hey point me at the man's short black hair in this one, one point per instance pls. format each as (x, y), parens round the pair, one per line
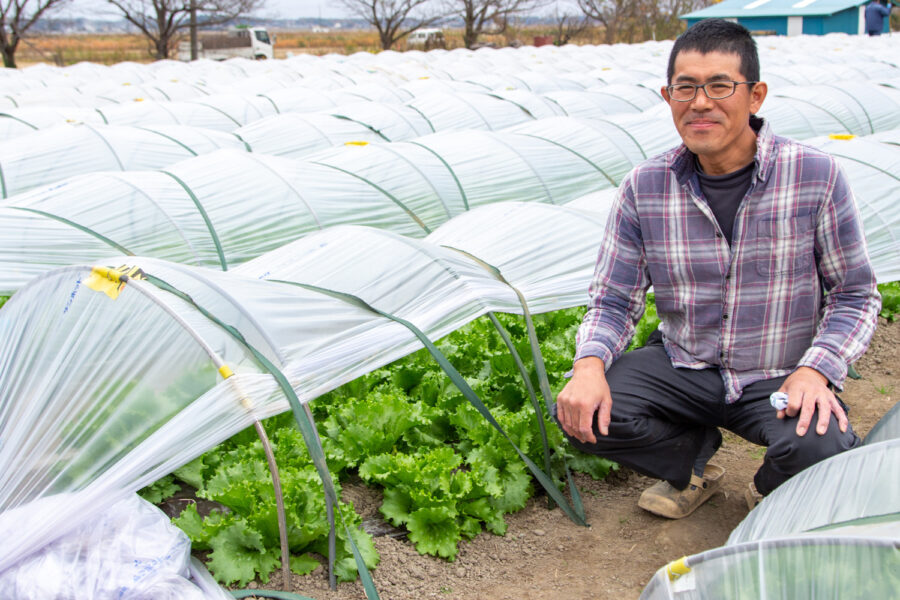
(718, 35)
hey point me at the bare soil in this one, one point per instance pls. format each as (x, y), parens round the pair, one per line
(545, 556)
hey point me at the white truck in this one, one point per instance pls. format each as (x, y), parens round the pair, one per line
(246, 42)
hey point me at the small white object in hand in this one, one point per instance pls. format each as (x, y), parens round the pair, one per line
(779, 400)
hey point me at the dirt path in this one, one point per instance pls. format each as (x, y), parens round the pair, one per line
(545, 556)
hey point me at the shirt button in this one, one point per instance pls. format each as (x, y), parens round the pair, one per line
(718, 235)
(724, 317)
(721, 355)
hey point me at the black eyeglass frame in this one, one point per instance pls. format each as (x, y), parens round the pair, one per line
(697, 86)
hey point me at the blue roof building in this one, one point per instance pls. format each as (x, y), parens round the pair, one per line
(789, 17)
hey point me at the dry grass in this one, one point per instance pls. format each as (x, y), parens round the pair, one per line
(114, 48)
(70, 49)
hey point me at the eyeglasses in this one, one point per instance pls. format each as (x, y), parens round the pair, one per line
(714, 90)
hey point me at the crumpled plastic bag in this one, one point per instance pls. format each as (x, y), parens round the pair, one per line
(130, 552)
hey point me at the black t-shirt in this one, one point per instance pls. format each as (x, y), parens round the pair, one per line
(724, 193)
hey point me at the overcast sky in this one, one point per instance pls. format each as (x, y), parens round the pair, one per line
(289, 9)
(283, 9)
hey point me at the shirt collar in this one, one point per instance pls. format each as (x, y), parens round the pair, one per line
(683, 159)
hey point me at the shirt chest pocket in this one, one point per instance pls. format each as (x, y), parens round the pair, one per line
(785, 246)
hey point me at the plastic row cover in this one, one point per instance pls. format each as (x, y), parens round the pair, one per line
(222, 112)
(107, 395)
(873, 170)
(836, 524)
(53, 154)
(785, 61)
(856, 563)
(252, 204)
(67, 150)
(299, 134)
(887, 428)
(861, 483)
(860, 108)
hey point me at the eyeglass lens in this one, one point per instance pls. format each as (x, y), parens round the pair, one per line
(715, 90)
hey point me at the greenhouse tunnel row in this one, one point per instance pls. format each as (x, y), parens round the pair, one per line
(153, 138)
(72, 438)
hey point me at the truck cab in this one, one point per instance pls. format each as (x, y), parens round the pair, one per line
(426, 39)
(245, 42)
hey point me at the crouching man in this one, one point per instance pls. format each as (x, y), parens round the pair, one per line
(755, 251)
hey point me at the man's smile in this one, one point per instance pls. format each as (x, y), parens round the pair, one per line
(702, 123)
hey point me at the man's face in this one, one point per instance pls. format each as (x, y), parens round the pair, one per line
(717, 131)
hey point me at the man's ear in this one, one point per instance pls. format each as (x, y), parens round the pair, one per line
(665, 94)
(757, 95)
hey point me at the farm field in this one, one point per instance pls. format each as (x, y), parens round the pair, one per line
(292, 232)
(544, 555)
(114, 48)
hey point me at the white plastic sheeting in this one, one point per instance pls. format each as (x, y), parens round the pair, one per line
(860, 109)
(593, 104)
(131, 551)
(467, 110)
(105, 396)
(614, 146)
(856, 562)
(887, 428)
(226, 207)
(873, 169)
(56, 153)
(22, 121)
(223, 112)
(859, 484)
(831, 531)
(299, 134)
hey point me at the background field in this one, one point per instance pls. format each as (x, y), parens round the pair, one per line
(113, 48)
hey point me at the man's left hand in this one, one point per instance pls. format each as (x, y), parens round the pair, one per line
(807, 389)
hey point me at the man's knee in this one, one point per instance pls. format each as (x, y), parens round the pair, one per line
(791, 453)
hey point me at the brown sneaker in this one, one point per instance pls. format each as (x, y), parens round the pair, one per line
(752, 496)
(664, 500)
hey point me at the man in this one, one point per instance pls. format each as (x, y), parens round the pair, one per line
(756, 255)
(875, 14)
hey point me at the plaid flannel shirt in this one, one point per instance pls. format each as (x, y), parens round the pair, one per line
(794, 288)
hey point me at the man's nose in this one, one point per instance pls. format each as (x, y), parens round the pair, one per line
(701, 101)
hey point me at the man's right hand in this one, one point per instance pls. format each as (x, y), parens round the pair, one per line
(585, 393)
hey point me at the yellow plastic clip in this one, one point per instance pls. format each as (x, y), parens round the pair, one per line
(356, 143)
(225, 371)
(677, 568)
(841, 136)
(112, 281)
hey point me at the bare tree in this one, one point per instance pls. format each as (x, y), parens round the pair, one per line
(161, 21)
(661, 16)
(16, 18)
(614, 15)
(394, 19)
(639, 20)
(568, 26)
(478, 15)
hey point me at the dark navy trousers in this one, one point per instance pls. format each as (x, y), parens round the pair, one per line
(663, 418)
